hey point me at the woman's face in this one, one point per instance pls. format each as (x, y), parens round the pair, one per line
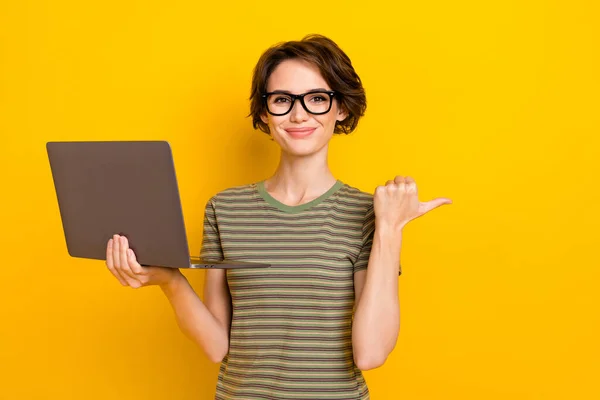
(298, 132)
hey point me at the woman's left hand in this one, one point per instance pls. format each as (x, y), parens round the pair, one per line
(397, 203)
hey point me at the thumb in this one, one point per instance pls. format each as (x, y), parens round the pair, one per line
(425, 207)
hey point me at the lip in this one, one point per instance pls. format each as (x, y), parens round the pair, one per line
(299, 132)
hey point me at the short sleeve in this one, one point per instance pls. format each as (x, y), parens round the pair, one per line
(211, 240)
(368, 231)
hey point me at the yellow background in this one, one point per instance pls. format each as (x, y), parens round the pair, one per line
(493, 104)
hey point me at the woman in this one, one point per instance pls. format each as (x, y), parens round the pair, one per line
(328, 307)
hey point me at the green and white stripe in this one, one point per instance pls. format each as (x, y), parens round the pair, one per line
(291, 330)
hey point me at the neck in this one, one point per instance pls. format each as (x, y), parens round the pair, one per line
(298, 180)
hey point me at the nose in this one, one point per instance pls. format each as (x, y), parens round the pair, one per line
(298, 113)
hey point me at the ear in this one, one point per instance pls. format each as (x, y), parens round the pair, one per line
(342, 114)
(264, 118)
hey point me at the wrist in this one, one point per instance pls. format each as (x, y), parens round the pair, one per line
(387, 244)
(385, 230)
(174, 282)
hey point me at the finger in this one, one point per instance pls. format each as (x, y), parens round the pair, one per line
(118, 262)
(115, 247)
(124, 246)
(435, 203)
(110, 264)
(140, 272)
(399, 179)
(411, 185)
(116, 258)
(397, 186)
(390, 182)
(135, 265)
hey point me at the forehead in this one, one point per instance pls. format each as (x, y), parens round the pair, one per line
(296, 76)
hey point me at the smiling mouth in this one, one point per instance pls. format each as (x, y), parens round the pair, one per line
(300, 132)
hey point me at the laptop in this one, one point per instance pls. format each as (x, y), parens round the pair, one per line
(127, 188)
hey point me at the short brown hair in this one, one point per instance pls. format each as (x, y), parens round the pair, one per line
(335, 67)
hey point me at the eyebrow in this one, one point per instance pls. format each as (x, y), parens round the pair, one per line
(311, 90)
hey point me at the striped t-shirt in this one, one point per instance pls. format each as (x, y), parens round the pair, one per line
(291, 328)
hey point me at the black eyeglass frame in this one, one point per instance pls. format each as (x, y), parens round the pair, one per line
(295, 97)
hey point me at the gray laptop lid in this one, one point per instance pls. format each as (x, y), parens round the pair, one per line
(124, 187)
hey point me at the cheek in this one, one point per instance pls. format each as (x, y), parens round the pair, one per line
(327, 121)
(275, 122)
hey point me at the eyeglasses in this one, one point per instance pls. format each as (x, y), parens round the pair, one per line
(314, 102)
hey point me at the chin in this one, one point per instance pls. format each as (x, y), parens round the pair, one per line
(301, 150)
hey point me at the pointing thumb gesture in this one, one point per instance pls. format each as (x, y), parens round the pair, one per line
(397, 203)
(425, 207)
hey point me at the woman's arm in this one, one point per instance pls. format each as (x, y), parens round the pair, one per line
(377, 316)
(206, 323)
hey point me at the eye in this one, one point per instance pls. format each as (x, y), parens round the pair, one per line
(281, 99)
(319, 98)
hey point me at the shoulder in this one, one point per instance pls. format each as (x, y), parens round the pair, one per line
(234, 194)
(355, 203)
(354, 196)
(365, 207)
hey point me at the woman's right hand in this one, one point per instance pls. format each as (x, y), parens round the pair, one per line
(121, 261)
